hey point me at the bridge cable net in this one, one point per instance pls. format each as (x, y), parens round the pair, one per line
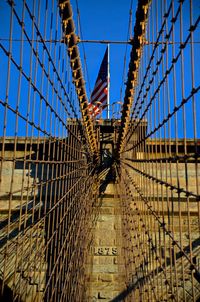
(48, 185)
(49, 177)
(159, 149)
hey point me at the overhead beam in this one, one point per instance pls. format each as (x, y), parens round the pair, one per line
(70, 39)
(138, 42)
(105, 41)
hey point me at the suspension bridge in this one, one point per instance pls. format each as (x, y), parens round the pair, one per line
(99, 209)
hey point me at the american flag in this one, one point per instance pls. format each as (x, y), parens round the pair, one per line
(99, 94)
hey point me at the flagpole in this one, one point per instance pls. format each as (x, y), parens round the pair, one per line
(108, 79)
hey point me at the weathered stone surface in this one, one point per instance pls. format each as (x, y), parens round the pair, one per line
(105, 260)
(105, 268)
(107, 256)
(105, 277)
(118, 278)
(107, 239)
(108, 226)
(107, 210)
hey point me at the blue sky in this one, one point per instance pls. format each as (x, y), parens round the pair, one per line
(100, 20)
(105, 20)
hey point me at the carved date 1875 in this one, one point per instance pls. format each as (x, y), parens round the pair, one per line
(105, 251)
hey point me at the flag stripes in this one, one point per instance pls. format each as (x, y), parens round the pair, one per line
(100, 92)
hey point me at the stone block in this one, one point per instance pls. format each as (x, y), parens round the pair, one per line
(106, 218)
(104, 260)
(105, 277)
(108, 225)
(106, 239)
(109, 268)
(106, 210)
(119, 278)
(107, 235)
(99, 286)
